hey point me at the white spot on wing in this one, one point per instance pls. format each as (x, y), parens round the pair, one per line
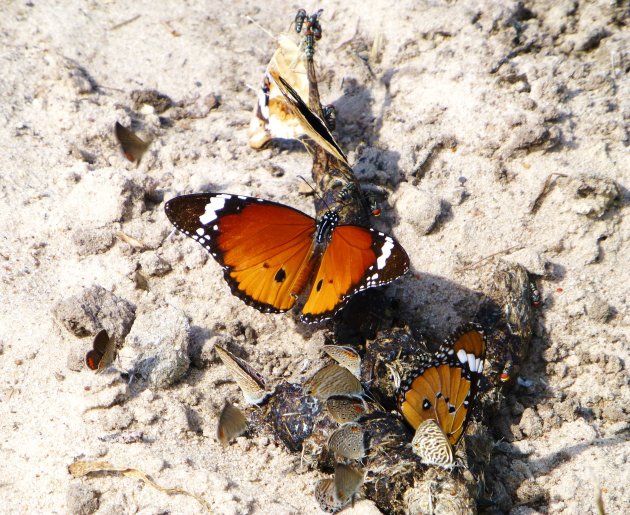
(200, 231)
(471, 361)
(462, 356)
(386, 251)
(216, 204)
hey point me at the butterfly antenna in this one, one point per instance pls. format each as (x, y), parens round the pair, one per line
(315, 192)
(266, 31)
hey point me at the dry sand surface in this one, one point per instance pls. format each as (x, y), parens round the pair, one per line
(456, 119)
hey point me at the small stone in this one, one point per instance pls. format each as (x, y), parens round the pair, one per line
(531, 423)
(202, 350)
(421, 207)
(529, 492)
(90, 241)
(597, 309)
(94, 309)
(212, 101)
(81, 499)
(156, 348)
(106, 390)
(591, 40)
(614, 413)
(116, 418)
(594, 195)
(145, 416)
(159, 101)
(153, 265)
(75, 360)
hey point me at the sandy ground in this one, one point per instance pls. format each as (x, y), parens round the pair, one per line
(457, 119)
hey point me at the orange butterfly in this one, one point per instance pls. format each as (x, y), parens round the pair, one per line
(271, 253)
(444, 387)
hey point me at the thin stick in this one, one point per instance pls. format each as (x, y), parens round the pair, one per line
(474, 265)
(122, 24)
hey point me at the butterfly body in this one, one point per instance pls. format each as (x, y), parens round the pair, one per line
(444, 387)
(271, 253)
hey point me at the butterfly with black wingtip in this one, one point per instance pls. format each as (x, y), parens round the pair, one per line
(444, 387)
(271, 253)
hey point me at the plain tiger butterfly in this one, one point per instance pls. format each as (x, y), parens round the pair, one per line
(271, 253)
(444, 387)
(273, 117)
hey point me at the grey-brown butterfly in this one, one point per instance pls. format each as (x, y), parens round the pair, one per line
(348, 441)
(132, 146)
(103, 352)
(347, 357)
(232, 423)
(344, 409)
(249, 381)
(333, 380)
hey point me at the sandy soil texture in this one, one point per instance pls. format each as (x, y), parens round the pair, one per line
(487, 130)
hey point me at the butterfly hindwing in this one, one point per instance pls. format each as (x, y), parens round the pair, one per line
(265, 248)
(444, 387)
(273, 117)
(355, 259)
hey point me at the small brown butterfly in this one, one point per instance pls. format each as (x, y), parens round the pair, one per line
(103, 352)
(347, 357)
(232, 423)
(344, 409)
(249, 381)
(348, 441)
(332, 494)
(333, 380)
(272, 116)
(132, 146)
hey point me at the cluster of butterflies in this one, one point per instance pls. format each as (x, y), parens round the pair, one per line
(436, 400)
(275, 257)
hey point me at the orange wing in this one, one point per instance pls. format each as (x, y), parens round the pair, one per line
(355, 259)
(445, 387)
(265, 248)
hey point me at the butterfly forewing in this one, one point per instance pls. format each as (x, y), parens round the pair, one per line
(265, 248)
(332, 380)
(356, 258)
(347, 357)
(345, 409)
(325, 495)
(443, 388)
(251, 383)
(313, 126)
